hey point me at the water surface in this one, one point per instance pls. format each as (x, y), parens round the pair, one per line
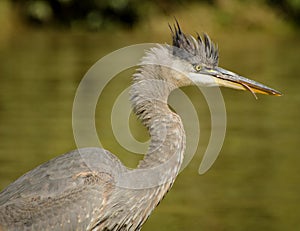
(254, 184)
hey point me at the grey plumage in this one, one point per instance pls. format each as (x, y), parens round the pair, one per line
(195, 51)
(90, 189)
(64, 194)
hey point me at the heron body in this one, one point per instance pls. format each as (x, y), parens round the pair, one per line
(65, 193)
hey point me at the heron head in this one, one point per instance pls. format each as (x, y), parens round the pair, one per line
(201, 56)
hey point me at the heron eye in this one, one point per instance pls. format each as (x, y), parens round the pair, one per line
(198, 67)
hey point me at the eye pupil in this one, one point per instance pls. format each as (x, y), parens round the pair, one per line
(198, 67)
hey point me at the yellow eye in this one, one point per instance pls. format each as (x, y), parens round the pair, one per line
(198, 67)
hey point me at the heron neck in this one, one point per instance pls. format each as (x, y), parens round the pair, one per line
(149, 100)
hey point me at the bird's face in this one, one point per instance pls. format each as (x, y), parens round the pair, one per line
(198, 58)
(216, 76)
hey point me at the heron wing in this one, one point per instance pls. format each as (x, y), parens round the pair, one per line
(80, 181)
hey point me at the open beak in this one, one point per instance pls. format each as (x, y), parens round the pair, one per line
(229, 79)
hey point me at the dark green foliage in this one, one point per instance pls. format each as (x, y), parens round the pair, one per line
(99, 14)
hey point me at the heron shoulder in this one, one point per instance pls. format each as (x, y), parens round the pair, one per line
(64, 173)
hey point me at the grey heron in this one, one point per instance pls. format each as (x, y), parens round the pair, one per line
(66, 194)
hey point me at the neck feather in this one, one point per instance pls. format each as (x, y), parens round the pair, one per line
(149, 94)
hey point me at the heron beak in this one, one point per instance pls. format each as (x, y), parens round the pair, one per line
(229, 79)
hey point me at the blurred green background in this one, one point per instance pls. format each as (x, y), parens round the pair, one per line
(47, 46)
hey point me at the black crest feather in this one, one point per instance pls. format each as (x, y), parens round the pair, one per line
(196, 51)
